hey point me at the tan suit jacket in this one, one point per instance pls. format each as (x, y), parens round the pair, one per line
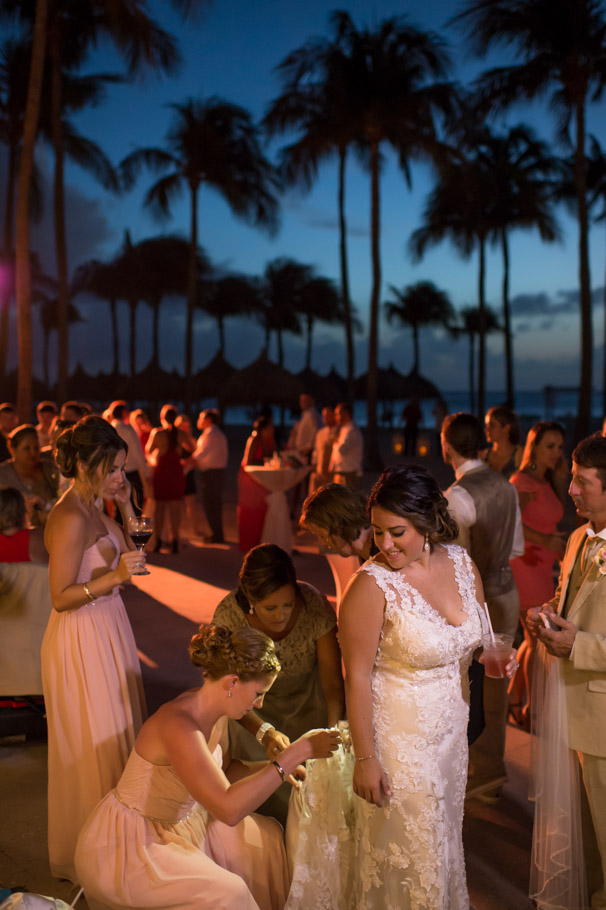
(584, 672)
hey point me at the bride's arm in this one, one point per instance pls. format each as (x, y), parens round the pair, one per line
(360, 624)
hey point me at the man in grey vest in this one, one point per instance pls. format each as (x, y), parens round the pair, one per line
(485, 506)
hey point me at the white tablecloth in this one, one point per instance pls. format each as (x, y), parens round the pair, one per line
(276, 527)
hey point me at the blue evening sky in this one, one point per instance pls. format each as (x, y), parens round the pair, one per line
(231, 51)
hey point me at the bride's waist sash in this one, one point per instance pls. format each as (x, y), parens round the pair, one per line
(181, 812)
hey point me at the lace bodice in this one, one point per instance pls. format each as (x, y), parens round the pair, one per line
(416, 641)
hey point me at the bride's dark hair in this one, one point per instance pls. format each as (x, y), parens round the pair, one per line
(411, 492)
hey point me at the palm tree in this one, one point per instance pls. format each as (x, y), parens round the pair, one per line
(596, 185)
(391, 75)
(417, 305)
(319, 302)
(459, 208)
(562, 48)
(474, 324)
(283, 282)
(317, 101)
(139, 40)
(230, 296)
(211, 143)
(49, 319)
(103, 280)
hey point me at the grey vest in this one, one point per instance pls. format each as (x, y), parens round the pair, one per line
(491, 537)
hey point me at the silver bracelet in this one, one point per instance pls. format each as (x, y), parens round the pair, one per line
(262, 731)
(279, 769)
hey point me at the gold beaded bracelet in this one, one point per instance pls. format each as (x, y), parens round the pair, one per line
(366, 757)
(87, 592)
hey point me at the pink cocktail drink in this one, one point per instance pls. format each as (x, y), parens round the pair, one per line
(496, 654)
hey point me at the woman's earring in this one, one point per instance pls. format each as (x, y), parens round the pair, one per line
(229, 694)
(426, 544)
(250, 608)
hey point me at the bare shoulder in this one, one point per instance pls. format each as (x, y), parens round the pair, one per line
(66, 517)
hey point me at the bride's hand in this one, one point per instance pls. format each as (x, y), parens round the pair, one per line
(370, 781)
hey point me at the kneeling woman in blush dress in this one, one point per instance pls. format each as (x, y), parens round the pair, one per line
(176, 834)
(90, 670)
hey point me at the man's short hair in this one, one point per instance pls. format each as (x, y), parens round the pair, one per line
(117, 412)
(7, 406)
(591, 453)
(464, 433)
(212, 414)
(346, 407)
(46, 407)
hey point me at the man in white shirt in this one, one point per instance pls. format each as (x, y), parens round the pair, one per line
(485, 506)
(210, 457)
(322, 452)
(136, 468)
(348, 448)
(304, 431)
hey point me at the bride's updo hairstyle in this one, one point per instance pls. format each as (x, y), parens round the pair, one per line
(93, 442)
(411, 492)
(247, 653)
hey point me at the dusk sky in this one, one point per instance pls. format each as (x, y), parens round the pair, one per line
(231, 51)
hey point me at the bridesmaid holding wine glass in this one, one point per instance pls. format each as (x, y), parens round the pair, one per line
(90, 669)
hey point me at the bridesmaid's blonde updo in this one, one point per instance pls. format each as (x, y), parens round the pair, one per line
(92, 442)
(411, 492)
(247, 653)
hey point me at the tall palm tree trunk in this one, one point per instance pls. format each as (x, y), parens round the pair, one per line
(191, 295)
(115, 336)
(482, 330)
(373, 456)
(415, 343)
(310, 328)
(132, 306)
(351, 367)
(584, 405)
(507, 322)
(221, 328)
(22, 263)
(59, 217)
(156, 332)
(472, 391)
(6, 291)
(280, 347)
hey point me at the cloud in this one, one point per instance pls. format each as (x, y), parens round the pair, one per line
(542, 304)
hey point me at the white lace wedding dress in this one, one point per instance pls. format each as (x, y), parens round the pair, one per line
(407, 855)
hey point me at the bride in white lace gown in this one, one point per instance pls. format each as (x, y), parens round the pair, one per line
(409, 624)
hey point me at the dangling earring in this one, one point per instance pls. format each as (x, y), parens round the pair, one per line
(229, 694)
(426, 544)
(250, 608)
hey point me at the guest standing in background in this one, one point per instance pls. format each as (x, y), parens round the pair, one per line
(503, 432)
(46, 411)
(304, 431)
(8, 421)
(323, 444)
(136, 469)
(541, 486)
(36, 478)
(346, 458)
(252, 497)
(18, 542)
(168, 445)
(485, 507)
(210, 457)
(90, 669)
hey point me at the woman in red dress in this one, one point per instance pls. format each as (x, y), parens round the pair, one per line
(252, 497)
(168, 445)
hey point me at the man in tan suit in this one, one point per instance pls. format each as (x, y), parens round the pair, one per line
(578, 610)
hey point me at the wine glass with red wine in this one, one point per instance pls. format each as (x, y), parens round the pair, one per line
(140, 529)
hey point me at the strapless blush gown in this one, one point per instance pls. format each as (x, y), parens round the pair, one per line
(148, 844)
(94, 702)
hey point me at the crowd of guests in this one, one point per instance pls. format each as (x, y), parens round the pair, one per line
(157, 812)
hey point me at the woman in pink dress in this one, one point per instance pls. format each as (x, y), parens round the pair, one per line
(541, 486)
(90, 670)
(176, 832)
